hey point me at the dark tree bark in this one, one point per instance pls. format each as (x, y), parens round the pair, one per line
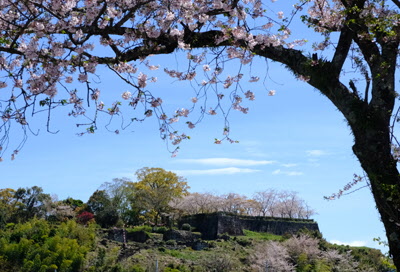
(372, 148)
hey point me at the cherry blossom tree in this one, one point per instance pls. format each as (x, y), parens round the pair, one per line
(266, 201)
(270, 202)
(196, 203)
(51, 50)
(289, 205)
(233, 203)
(302, 253)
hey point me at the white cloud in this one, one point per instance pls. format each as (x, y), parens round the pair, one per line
(315, 153)
(287, 173)
(276, 172)
(219, 171)
(287, 165)
(227, 162)
(353, 243)
(254, 148)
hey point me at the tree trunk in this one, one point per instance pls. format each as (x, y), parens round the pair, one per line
(373, 149)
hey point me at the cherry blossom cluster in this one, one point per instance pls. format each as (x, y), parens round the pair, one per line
(50, 51)
(346, 189)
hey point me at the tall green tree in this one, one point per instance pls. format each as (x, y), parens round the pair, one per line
(101, 206)
(7, 205)
(121, 193)
(30, 202)
(155, 189)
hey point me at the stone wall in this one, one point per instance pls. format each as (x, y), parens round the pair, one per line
(215, 224)
(276, 226)
(122, 236)
(204, 223)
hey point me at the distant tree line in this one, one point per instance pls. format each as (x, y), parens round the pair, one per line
(156, 195)
(118, 202)
(270, 202)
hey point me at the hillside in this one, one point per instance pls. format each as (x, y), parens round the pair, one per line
(38, 245)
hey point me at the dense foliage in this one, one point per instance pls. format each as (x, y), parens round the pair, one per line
(156, 188)
(38, 246)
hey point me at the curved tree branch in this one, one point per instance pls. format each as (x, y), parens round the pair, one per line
(342, 50)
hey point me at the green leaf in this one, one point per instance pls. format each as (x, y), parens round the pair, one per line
(44, 102)
(90, 129)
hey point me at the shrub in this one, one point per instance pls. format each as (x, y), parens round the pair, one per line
(221, 263)
(243, 242)
(161, 230)
(169, 269)
(176, 268)
(85, 217)
(10, 225)
(137, 268)
(30, 247)
(141, 228)
(186, 226)
(212, 244)
(171, 243)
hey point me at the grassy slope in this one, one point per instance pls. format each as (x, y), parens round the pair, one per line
(221, 255)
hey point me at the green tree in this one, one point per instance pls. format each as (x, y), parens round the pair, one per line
(7, 205)
(101, 206)
(156, 188)
(30, 202)
(121, 194)
(74, 203)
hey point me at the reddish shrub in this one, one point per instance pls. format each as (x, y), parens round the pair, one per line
(85, 217)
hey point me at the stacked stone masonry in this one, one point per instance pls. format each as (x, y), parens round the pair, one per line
(215, 224)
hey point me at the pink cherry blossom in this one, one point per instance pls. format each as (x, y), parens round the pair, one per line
(82, 77)
(250, 95)
(212, 112)
(126, 95)
(190, 125)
